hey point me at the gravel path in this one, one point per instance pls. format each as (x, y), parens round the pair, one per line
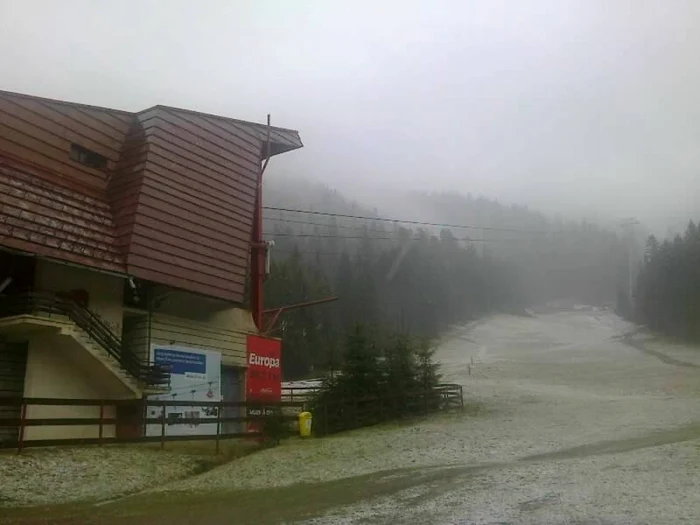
(578, 425)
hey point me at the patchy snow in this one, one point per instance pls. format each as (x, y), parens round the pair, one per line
(575, 423)
(305, 383)
(63, 475)
(573, 417)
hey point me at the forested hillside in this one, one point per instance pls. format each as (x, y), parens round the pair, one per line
(474, 257)
(667, 296)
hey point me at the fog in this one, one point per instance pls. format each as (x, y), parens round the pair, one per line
(576, 107)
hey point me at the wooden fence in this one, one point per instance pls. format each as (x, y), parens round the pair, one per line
(329, 416)
(249, 412)
(339, 414)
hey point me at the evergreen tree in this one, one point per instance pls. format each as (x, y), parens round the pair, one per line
(394, 279)
(668, 286)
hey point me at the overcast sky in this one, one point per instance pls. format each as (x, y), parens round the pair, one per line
(572, 106)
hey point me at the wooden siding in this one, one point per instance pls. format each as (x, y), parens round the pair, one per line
(124, 186)
(41, 132)
(194, 217)
(41, 217)
(178, 331)
(174, 204)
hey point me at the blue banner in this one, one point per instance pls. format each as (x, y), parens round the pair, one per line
(180, 362)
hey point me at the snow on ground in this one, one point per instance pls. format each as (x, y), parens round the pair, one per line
(574, 417)
(63, 475)
(575, 423)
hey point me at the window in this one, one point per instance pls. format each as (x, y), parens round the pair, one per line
(87, 157)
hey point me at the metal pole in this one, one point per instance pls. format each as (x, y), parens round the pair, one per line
(102, 413)
(628, 227)
(20, 437)
(162, 428)
(258, 247)
(218, 426)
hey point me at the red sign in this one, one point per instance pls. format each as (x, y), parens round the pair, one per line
(264, 374)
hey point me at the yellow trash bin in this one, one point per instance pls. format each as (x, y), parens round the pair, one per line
(305, 424)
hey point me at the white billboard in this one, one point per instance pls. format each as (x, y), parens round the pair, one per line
(195, 376)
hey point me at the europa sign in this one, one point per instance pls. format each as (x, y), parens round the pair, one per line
(264, 375)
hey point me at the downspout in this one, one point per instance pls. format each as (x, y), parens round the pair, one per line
(258, 249)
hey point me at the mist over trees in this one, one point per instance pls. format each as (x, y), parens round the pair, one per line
(667, 295)
(419, 279)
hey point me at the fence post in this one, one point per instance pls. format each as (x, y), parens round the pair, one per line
(162, 428)
(20, 436)
(102, 415)
(218, 425)
(325, 418)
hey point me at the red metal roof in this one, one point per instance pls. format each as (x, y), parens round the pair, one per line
(42, 217)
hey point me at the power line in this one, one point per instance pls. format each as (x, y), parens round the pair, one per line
(404, 221)
(397, 239)
(312, 223)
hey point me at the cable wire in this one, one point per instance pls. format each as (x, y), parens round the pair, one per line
(404, 221)
(397, 239)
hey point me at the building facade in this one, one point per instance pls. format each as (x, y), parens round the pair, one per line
(120, 233)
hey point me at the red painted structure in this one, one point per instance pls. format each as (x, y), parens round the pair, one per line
(264, 373)
(167, 195)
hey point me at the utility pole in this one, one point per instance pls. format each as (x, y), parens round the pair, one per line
(627, 226)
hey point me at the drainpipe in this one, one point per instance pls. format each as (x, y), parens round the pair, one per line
(258, 248)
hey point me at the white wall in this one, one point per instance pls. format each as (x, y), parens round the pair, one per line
(105, 291)
(191, 324)
(55, 369)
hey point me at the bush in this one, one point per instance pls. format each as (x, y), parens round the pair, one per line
(377, 384)
(274, 428)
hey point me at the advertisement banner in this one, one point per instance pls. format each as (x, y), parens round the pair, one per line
(195, 376)
(264, 378)
(264, 374)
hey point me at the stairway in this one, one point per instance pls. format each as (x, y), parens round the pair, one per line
(89, 331)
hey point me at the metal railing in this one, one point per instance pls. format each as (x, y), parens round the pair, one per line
(34, 303)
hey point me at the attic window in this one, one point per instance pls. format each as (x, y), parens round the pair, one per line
(87, 157)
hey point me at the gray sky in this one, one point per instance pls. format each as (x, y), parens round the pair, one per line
(571, 106)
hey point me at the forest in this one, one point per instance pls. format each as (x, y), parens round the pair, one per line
(467, 258)
(667, 295)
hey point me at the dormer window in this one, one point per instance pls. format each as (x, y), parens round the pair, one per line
(87, 157)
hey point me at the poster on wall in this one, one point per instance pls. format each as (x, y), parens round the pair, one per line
(195, 376)
(264, 374)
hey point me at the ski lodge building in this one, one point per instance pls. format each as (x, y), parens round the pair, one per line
(120, 232)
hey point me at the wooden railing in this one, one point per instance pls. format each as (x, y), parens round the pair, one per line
(333, 415)
(329, 416)
(250, 412)
(451, 393)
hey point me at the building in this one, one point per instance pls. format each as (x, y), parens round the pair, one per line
(118, 232)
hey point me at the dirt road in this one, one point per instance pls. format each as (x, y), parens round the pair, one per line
(573, 422)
